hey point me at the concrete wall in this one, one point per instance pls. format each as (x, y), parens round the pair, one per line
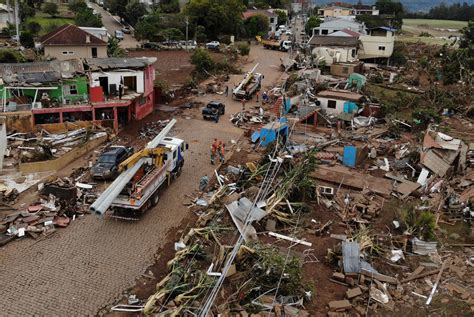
(324, 105)
(77, 51)
(370, 46)
(332, 55)
(61, 162)
(115, 78)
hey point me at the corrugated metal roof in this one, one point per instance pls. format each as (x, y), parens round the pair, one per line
(40, 72)
(118, 63)
(351, 256)
(423, 247)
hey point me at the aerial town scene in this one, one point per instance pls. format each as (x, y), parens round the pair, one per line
(237, 158)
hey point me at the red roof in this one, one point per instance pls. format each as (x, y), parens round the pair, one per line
(69, 34)
(350, 32)
(250, 13)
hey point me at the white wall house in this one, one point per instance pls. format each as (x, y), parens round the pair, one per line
(378, 43)
(332, 101)
(133, 81)
(6, 16)
(335, 25)
(334, 49)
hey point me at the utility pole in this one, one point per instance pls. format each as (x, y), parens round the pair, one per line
(17, 23)
(187, 25)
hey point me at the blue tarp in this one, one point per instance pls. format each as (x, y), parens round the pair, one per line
(350, 156)
(350, 107)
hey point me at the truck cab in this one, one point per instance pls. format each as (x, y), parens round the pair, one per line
(176, 147)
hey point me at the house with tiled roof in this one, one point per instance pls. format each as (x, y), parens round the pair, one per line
(71, 42)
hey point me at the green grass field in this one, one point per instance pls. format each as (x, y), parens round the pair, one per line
(439, 29)
(47, 22)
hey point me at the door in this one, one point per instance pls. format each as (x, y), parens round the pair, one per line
(94, 52)
(104, 83)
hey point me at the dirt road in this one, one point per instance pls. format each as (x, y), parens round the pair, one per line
(81, 269)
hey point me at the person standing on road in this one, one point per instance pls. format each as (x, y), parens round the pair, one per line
(214, 150)
(226, 91)
(221, 151)
(256, 94)
(243, 104)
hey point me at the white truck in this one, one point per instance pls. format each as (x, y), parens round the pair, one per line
(248, 86)
(141, 177)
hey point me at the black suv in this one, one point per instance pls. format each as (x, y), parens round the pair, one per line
(213, 109)
(107, 164)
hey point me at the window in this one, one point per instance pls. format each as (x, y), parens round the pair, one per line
(353, 53)
(381, 48)
(68, 53)
(324, 32)
(316, 32)
(332, 104)
(174, 154)
(70, 90)
(94, 52)
(271, 20)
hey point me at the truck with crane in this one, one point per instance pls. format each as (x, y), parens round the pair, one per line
(248, 86)
(142, 175)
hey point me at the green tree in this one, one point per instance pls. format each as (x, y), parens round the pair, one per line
(113, 48)
(134, 11)
(51, 9)
(169, 6)
(27, 40)
(282, 17)
(148, 27)
(256, 25)
(26, 11)
(202, 61)
(88, 18)
(200, 34)
(33, 27)
(244, 49)
(217, 17)
(117, 7)
(313, 22)
(172, 34)
(77, 6)
(393, 9)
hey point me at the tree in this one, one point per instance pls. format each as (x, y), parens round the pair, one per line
(117, 7)
(217, 17)
(34, 27)
(134, 11)
(88, 18)
(200, 34)
(282, 17)
(313, 22)
(202, 61)
(51, 9)
(169, 6)
(27, 40)
(172, 34)
(148, 27)
(244, 49)
(77, 6)
(26, 11)
(391, 8)
(113, 48)
(256, 25)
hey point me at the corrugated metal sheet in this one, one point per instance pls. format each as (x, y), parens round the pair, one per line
(435, 163)
(423, 247)
(351, 256)
(118, 63)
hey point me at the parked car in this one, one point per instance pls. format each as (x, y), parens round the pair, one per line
(190, 44)
(119, 35)
(100, 3)
(106, 166)
(126, 30)
(213, 110)
(214, 45)
(288, 32)
(151, 45)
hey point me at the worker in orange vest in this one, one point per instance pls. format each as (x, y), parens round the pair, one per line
(221, 151)
(214, 150)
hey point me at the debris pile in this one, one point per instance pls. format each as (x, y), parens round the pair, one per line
(247, 118)
(60, 202)
(151, 129)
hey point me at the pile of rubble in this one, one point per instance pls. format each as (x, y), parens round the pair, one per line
(42, 146)
(247, 118)
(60, 202)
(151, 129)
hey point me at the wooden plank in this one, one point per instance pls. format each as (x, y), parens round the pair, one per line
(411, 278)
(379, 277)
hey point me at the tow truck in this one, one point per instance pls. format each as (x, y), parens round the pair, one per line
(248, 86)
(141, 177)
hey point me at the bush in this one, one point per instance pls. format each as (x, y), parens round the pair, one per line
(425, 34)
(10, 56)
(202, 62)
(34, 27)
(225, 39)
(244, 49)
(26, 40)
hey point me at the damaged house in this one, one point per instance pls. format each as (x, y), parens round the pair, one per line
(109, 91)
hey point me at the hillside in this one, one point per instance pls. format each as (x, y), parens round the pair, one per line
(409, 5)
